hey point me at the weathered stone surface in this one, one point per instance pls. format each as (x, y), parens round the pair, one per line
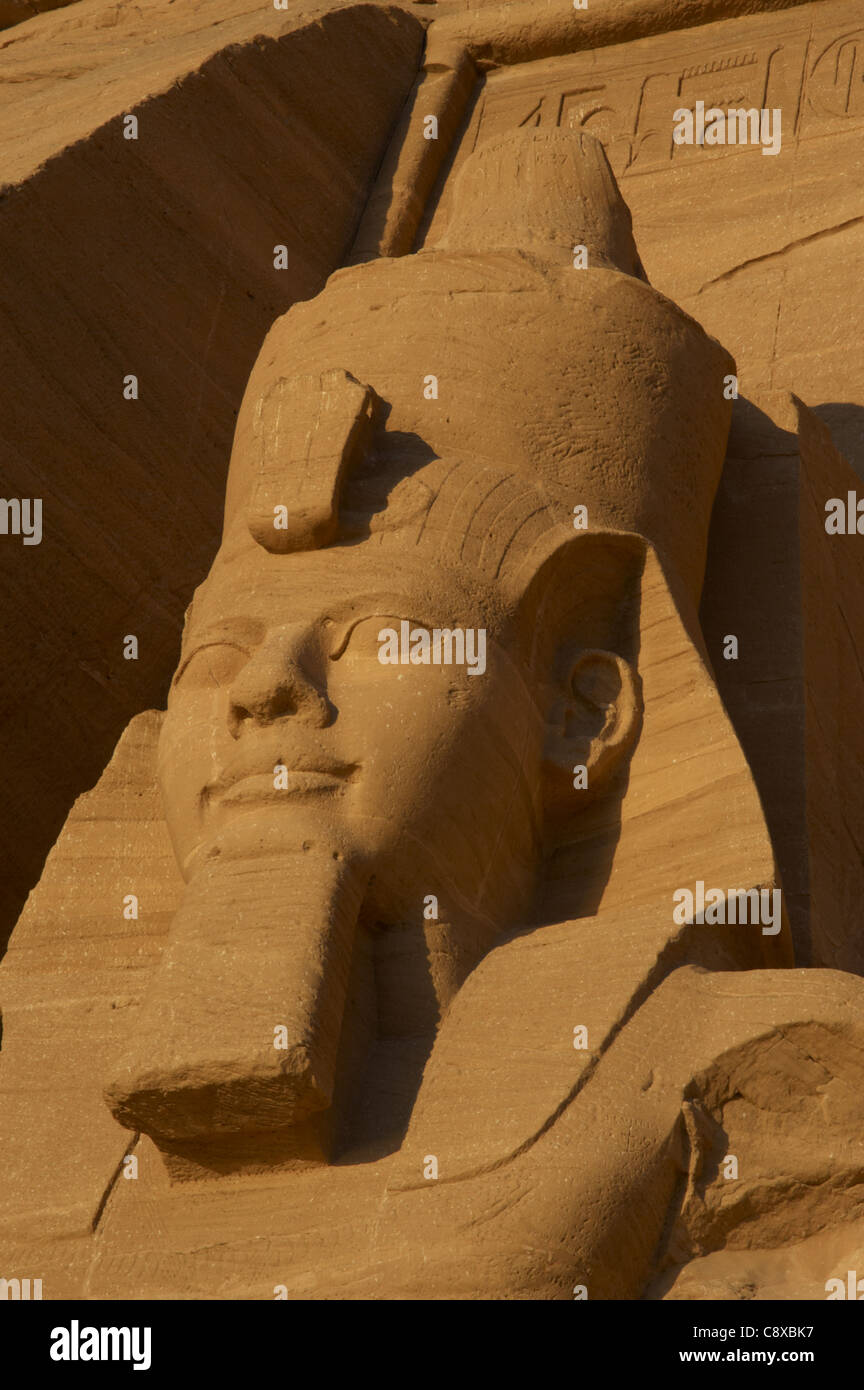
(800, 658)
(152, 257)
(742, 241)
(16, 11)
(409, 975)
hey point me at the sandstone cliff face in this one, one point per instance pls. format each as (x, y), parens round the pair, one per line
(151, 257)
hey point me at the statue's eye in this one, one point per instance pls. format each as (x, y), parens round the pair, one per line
(212, 666)
(361, 638)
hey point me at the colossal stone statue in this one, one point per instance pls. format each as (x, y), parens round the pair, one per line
(443, 757)
(353, 508)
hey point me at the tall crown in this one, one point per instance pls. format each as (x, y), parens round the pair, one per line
(544, 191)
(586, 385)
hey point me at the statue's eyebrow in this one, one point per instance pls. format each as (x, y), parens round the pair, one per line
(357, 609)
(244, 633)
(407, 612)
(234, 629)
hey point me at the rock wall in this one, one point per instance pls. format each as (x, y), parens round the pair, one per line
(151, 257)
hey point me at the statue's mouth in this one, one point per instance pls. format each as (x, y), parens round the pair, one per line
(271, 788)
(270, 778)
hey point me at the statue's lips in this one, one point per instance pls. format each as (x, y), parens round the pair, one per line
(279, 780)
(262, 787)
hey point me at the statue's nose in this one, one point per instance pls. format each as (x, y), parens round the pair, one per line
(276, 684)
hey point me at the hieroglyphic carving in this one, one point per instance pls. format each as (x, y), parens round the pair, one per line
(810, 65)
(835, 86)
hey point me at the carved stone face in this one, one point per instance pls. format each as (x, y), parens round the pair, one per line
(427, 773)
(319, 798)
(315, 794)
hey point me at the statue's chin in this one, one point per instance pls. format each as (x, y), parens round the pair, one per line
(300, 825)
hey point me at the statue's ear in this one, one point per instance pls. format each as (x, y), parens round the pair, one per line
(592, 723)
(576, 610)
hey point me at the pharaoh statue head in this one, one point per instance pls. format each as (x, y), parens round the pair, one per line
(412, 680)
